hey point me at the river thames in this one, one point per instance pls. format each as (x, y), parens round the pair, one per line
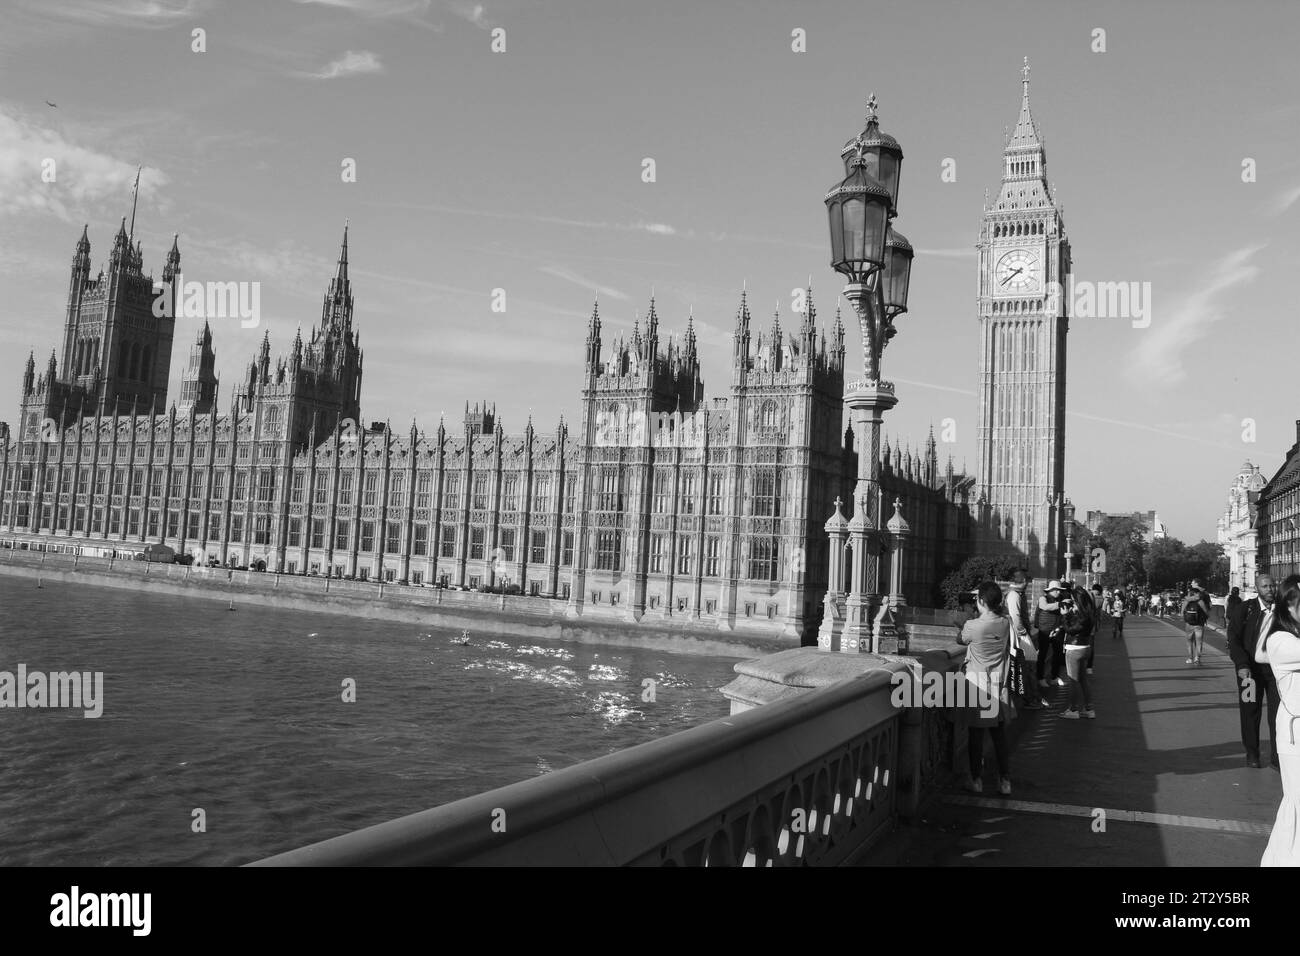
(241, 715)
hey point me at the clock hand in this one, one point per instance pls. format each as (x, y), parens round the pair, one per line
(1012, 275)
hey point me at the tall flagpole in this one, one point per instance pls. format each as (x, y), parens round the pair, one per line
(134, 197)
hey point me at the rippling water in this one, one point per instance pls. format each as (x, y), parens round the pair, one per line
(241, 714)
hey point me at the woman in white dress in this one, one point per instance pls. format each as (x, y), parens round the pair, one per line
(1280, 650)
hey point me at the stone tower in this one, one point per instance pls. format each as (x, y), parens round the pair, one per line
(628, 406)
(116, 349)
(199, 380)
(1024, 264)
(318, 385)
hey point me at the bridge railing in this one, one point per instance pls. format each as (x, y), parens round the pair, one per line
(810, 780)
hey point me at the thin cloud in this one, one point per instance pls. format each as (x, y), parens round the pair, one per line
(473, 13)
(1154, 429)
(375, 8)
(1158, 356)
(1285, 200)
(147, 14)
(937, 388)
(578, 280)
(351, 63)
(83, 176)
(657, 228)
(287, 264)
(1084, 416)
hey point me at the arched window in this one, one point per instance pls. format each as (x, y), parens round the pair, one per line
(767, 415)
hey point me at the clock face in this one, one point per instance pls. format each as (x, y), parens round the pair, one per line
(1016, 272)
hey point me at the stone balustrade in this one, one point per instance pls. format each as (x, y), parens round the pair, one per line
(813, 777)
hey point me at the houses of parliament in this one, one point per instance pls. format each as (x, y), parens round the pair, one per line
(659, 504)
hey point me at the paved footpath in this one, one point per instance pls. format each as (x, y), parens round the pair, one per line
(1163, 760)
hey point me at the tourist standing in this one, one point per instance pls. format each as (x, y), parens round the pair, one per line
(1279, 652)
(1026, 661)
(1081, 624)
(987, 668)
(1117, 612)
(1097, 607)
(1047, 622)
(1230, 605)
(1196, 611)
(1254, 680)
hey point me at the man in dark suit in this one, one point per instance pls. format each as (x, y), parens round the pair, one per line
(1249, 622)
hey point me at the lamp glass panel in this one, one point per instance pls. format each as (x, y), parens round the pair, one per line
(836, 212)
(888, 175)
(854, 229)
(876, 222)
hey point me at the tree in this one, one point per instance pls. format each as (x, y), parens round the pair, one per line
(1166, 563)
(973, 572)
(1170, 563)
(1207, 562)
(1124, 538)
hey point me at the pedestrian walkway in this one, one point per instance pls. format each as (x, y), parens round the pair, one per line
(1158, 779)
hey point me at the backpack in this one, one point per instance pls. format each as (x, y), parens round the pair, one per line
(1194, 613)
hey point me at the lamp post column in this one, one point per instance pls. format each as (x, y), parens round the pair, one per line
(867, 401)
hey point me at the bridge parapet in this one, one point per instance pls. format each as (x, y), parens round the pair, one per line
(810, 779)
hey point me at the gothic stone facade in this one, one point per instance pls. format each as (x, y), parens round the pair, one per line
(662, 503)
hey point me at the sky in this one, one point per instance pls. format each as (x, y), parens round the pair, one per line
(522, 170)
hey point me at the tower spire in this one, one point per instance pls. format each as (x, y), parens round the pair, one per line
(342, 274)
(1026, 134)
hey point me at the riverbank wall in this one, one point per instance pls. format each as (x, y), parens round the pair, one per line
(521, 616)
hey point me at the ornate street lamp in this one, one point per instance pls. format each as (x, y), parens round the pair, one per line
(876, 261)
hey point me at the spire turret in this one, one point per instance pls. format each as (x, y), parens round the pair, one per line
(652, 330)
(121, 246)
(337, 313)
(173, 266)
(741, 334)
(593, 336)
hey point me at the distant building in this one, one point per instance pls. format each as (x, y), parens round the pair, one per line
(1278, 509)
(1237, 533)
(1153, 527)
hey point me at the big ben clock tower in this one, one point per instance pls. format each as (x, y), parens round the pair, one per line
(1024, 264)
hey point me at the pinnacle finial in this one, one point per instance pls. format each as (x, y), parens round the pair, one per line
(1025, 74)
(871, 109)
